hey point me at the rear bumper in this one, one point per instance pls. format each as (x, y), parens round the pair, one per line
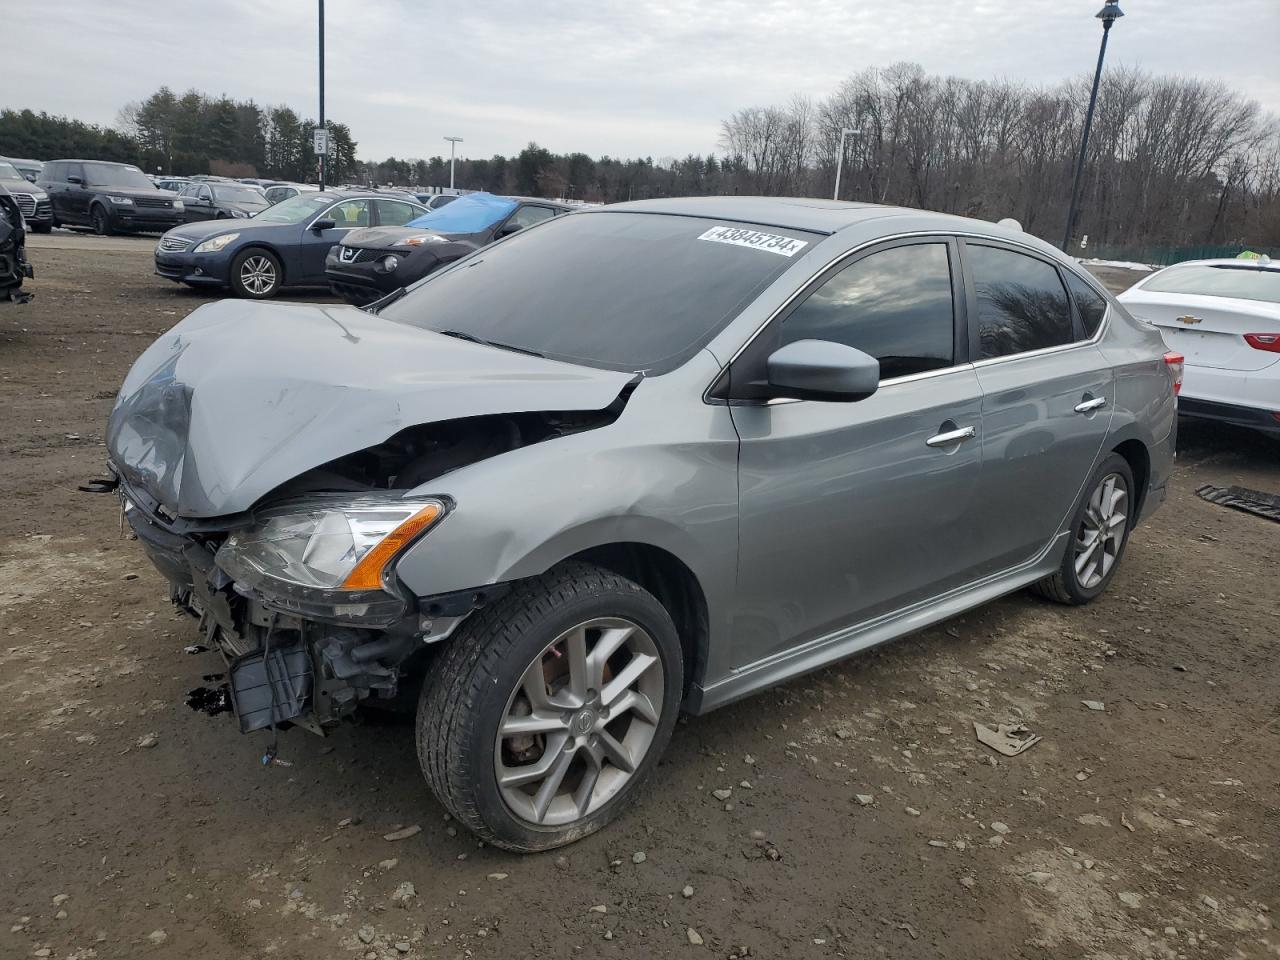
(1242, 416)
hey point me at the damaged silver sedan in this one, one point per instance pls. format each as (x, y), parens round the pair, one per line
(635, 460)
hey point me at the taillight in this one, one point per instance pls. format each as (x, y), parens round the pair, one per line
(1174, 362)
(1269, 342)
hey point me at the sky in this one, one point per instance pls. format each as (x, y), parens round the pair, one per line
(616, 77)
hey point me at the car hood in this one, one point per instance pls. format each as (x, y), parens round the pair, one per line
(204, 229)
(241, 397)
(19, 186)
(382, 237)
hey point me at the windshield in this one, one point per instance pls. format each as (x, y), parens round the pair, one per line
(296, 209)
(469, 214)
(624, 291)
(1222, 280)
(9, 172)
(251, 195)
(113, 175)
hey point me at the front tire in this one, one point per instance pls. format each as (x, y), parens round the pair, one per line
(100, 220)
(256, 274)
(43, 228)
(1099, 533)
(549, 710)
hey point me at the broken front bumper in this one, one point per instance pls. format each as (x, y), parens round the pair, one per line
(285, 663)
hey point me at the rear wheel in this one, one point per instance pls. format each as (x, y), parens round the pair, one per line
(1099, 534)
(549, 710)
(100, 220)
(255, 274)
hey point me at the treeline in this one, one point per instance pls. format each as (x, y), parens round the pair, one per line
(1172, 160)
(191, 133)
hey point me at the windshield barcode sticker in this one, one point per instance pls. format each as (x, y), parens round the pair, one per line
(783, 246)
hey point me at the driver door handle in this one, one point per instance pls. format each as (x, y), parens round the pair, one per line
(1086, 406)
(951, 436)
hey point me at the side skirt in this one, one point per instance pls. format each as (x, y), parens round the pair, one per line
(850, 640)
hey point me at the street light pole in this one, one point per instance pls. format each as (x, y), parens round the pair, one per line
(1109, 14)
(453, 144)
(324, 157)
(840, 161)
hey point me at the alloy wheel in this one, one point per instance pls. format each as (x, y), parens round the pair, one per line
(1100, 535)
(258, 275)
(579, 723)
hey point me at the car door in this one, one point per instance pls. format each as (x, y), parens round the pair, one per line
(75, 196)
(849, 511)
(307, 263)
(396, 213)
(198, 201)
(1048, 395)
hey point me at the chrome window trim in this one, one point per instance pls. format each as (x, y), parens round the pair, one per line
(972, 364)
(884, 385)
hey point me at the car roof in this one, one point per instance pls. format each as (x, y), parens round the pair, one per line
(796, 213)
(106, 163)
(1228, 262)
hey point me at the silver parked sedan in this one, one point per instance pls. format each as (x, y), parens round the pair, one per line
(638, 459)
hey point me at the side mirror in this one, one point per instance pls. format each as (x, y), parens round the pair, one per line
(76, 180)
(822, 370)
(508, 229)
(323, 224)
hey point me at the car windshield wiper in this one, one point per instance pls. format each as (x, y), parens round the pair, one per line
(389, 299)
(471, 338)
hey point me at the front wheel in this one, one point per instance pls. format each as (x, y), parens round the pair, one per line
(43, 228)
(549, 710)
(255, 274)
(1099, 534)
(100, 221)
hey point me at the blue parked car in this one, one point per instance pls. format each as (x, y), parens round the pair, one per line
(284, 246)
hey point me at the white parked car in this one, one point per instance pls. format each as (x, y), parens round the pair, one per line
(1223, 316)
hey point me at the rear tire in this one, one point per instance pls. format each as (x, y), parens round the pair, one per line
(1099, 534)
(591, 664)
(43, 228)
(256, 274)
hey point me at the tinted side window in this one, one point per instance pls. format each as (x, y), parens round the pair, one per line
(351, 213)
(1090, 303)
(1022, 304)
(528, 216)
(895, 305)
(393, 213)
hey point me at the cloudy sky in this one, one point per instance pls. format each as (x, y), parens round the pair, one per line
(623, 77)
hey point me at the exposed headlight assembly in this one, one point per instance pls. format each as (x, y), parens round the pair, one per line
(330, 558)
(214, 244)
(239, 214)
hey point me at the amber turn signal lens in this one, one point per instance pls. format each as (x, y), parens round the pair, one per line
(367, 574)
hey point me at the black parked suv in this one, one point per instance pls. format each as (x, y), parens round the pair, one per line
(110, 197)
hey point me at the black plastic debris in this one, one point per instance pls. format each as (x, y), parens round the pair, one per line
(1242, 498)
(210, 700)
(287, 669)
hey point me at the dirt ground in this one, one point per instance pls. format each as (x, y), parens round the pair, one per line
(864, 819)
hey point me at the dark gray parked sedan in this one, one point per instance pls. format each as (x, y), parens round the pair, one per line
(283, 246)
(645, 458)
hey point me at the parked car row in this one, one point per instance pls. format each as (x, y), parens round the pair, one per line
(362, 244)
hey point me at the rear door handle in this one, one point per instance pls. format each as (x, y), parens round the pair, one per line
(1087, 406)
(951, 436)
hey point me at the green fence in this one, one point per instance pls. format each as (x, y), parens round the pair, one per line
(1163, 256)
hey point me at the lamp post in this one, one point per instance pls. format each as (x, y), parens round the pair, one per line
(840, 160)
(453, 144)
(324, 158)
(1109, 14)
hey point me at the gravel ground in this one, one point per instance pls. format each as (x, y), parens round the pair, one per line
(864, 820)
